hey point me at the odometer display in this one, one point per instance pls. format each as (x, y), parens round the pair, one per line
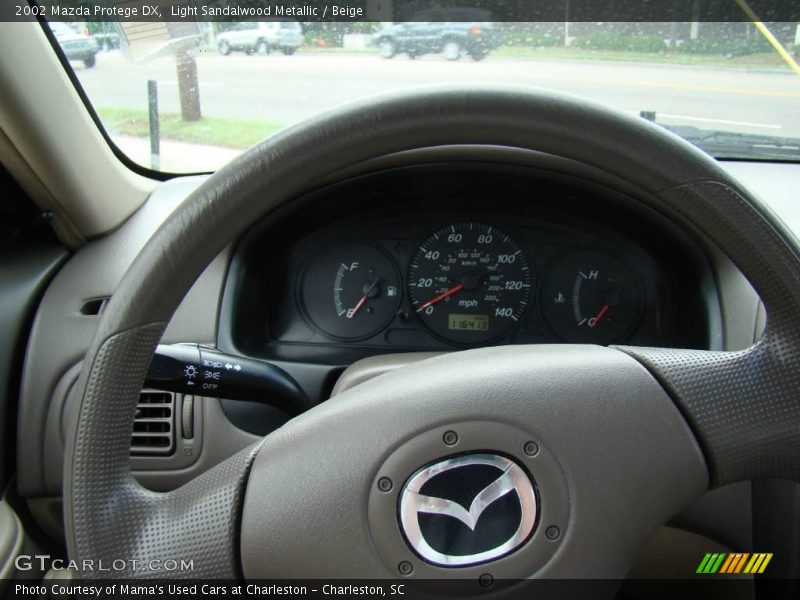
(470, 283)
(457, 322)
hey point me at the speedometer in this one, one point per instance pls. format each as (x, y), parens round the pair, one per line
(470, 283)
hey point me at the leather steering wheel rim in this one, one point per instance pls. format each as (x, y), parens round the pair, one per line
(741, 407)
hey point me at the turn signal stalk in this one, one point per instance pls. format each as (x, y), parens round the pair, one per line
(193, 369)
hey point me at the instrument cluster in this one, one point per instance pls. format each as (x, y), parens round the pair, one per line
(468, 283)
(441, 258)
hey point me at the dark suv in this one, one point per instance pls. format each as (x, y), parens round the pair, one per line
(453, 39)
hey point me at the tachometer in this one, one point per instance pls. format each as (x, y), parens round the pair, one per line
(470, 283)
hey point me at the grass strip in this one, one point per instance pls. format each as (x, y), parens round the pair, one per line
(211, 131)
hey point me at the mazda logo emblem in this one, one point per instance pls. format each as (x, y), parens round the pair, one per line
(468, 509)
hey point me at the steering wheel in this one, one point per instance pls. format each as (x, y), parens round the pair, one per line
(572, 455)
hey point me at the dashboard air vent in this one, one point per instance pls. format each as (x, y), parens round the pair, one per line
(154, 424)
(95, 306)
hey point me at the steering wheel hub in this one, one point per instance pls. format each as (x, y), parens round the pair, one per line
(468, 509)
(479, 505)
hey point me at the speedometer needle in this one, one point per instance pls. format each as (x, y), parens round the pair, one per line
(599, 316)
(441, 296)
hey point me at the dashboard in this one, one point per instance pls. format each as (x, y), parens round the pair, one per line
(669, 289)
(453, 257)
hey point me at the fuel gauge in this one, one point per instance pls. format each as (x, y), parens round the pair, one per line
(350, 291)
(590, 297)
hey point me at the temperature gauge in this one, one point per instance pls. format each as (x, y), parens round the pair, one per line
(590, 297)
(350, 291)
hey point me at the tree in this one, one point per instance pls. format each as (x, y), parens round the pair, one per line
(188, 86)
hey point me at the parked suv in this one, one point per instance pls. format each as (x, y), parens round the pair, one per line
(75, 45)
(261, 37)
(453, 39)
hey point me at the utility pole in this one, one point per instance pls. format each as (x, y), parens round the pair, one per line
(155, 136)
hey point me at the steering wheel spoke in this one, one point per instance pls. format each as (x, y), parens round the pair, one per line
(110, 517)
(743, 406)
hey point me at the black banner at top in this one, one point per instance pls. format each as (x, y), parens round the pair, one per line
(405, 10)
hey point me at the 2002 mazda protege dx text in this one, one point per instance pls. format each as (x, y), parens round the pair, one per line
(426, 299)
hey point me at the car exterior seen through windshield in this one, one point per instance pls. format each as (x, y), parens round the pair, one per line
(730, 88)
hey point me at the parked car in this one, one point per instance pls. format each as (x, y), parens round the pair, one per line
(452, 39)
(261, 37)
(74, 44)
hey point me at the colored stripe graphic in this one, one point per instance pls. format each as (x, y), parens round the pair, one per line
(753, 563)
(740, 563)
(730, 566)
(717, 563)
(758, 563)
(711, 563)
(703, 563)
(734, 563)
(727, 564)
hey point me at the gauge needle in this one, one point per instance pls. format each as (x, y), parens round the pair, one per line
(599, 315)
(352, 313)
(368, 289)
(441, 296)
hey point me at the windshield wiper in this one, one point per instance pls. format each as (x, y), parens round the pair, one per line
(726, 144)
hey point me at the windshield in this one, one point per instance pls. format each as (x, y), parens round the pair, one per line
(191, 101)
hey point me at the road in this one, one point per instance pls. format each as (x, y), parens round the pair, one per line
(288, 89)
